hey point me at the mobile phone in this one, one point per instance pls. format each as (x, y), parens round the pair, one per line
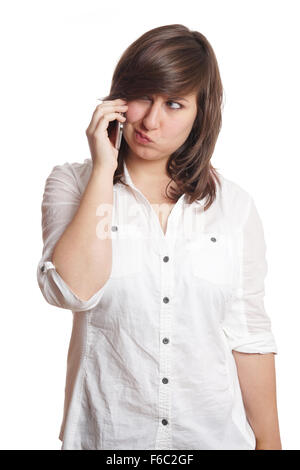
(119, 134)
(115, 132)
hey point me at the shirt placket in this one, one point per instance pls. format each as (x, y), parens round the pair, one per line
(164, 432)
(165, 246)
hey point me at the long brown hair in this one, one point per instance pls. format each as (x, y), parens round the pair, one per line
(174, 60)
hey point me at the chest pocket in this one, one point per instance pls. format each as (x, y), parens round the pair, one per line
(127, 250)
(211, 258)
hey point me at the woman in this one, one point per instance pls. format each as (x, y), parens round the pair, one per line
(162, 261)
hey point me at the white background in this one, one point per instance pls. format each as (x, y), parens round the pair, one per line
(57, 58)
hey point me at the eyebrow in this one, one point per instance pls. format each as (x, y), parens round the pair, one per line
(177, 98)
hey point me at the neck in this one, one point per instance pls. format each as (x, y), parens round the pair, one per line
(147, 171)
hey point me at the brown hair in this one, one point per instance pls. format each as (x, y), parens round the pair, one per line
(174, 60)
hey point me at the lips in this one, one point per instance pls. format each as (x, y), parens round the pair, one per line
(143, 135)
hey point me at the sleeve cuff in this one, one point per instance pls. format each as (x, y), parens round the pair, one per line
(58, 293)
(260, 344)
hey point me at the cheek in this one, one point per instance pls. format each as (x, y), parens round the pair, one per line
(134, 112)
(177, 130)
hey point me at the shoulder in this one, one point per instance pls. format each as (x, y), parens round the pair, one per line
(235, 200)
(72, 173)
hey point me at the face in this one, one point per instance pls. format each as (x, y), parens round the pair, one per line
(166, 121)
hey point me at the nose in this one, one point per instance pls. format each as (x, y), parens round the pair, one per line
(152, 116)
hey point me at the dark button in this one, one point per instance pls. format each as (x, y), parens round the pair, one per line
(213, 239)
(166, 300)
(164, 421)
(166, 259)
(43, 268)
(114, 228)
(165, 340)
(165, 380)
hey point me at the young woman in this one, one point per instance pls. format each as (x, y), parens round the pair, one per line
(162, 261)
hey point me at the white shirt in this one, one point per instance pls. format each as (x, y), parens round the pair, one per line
(150, 363)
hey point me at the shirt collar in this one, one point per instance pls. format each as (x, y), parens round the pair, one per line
(127, 179)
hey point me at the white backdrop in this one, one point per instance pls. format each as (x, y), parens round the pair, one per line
(57, 58)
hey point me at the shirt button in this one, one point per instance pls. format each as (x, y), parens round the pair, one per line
(165, 340)
(166, 259)
(114, 228)
(165, 380)
(166, 300)
(164, 421)
(213, 239)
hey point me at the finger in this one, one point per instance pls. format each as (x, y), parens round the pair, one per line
(117, 101)
(111, 106)
(104, 122)
(100, 111)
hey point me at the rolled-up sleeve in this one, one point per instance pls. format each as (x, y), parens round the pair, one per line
(247, 325)
(60, 202)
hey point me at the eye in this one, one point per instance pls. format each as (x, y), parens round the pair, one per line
(168, 102)
(180, 106)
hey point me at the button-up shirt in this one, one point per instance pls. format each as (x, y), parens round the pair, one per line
(150, 363)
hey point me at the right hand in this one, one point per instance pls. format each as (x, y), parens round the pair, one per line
(103, 151)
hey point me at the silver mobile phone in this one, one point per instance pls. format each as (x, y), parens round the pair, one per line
(119, 134)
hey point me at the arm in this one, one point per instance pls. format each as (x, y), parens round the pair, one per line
(66, 213)
(77, 254)
(257, 379)
(249, 334)
(81, 256)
